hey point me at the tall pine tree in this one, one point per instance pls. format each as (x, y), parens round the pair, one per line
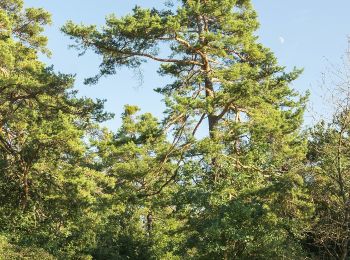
(239, 188)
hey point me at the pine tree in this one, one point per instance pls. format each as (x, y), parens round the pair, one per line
(136, 158)
(239, 188)
(47, 192)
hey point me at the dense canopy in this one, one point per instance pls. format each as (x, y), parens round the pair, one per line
(227, 173)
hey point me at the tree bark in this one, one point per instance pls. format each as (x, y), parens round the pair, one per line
(209, 92)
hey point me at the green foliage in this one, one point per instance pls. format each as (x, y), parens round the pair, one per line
(222, 176)
(328, 175)
(48, 194)
(8, 251)
(137, 159)
(238, 192)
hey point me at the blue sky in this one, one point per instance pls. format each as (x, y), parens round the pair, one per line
(302, 33)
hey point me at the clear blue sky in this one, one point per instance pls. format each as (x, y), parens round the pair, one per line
(302, 33)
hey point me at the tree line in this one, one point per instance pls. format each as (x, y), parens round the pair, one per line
(229, 172)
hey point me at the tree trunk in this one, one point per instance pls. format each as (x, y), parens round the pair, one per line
(209, 92)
